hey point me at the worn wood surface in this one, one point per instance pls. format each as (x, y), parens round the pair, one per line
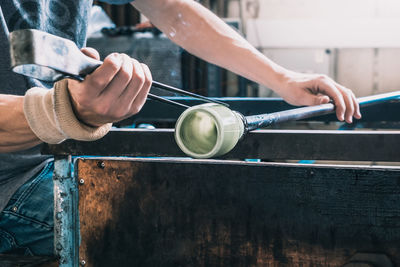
(155, 212)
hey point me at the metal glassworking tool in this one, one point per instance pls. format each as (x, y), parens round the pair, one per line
(212, 130)
(50, 58)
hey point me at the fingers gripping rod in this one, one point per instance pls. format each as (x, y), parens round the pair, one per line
(264, 120)
(50, 58)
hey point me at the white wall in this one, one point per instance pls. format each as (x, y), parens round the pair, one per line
(338, 23)
(320, 9)
(366, 34)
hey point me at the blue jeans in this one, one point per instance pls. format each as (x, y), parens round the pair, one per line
(26, 224)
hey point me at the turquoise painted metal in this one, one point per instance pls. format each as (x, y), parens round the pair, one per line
(66, 214)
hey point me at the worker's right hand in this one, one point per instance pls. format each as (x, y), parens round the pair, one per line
(114, 91)
(312, 89)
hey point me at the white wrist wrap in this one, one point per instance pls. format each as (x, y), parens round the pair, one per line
(52, 119)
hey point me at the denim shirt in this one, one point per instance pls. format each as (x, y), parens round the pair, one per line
(65, 18)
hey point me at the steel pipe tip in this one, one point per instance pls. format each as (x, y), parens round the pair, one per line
(208, 130)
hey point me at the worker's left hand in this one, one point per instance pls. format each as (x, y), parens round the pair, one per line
(313, 89)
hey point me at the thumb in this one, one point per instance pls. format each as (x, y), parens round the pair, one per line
(91, 52)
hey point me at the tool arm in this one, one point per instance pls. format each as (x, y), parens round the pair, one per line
(203, 34)
(74, 110)
(15, 133)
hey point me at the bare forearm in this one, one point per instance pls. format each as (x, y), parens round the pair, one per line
(202, 33)
(15, 133)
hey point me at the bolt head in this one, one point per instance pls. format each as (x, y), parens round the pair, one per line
(81, 181)
(101, 164)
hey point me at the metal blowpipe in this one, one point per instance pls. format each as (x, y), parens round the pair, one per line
(210, 130)
(264, 120)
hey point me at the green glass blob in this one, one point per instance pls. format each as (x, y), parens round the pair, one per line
(208, 130)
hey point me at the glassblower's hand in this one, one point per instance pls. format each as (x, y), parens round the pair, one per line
(312, 89)
(114, 91)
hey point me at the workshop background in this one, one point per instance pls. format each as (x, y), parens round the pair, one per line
(353, 41)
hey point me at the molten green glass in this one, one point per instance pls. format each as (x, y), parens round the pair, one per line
(199, 132)
(208, 130)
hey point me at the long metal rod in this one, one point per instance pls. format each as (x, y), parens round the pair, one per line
(264, 120)
(166, 88)
(183, 92)
(166, 101)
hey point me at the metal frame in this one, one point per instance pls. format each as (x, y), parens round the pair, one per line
(66, 220)
(263, 144)
(271, 144)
